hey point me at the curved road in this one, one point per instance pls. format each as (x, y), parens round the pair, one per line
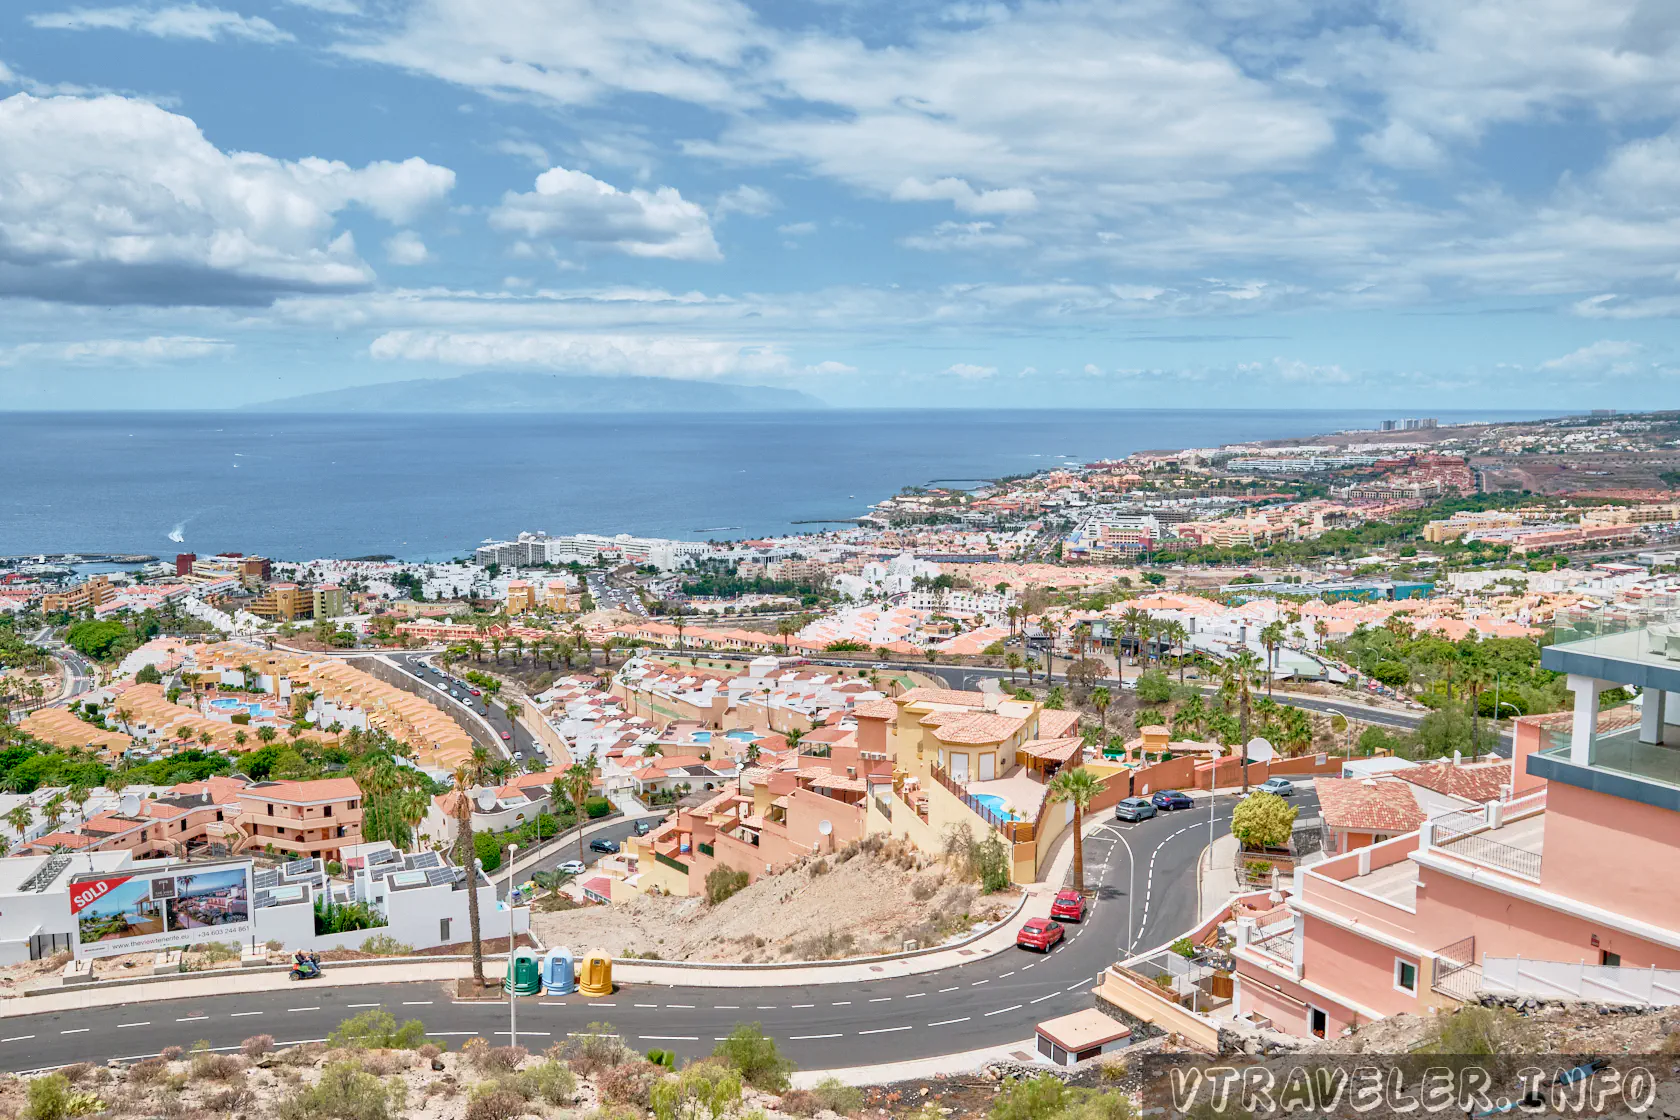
(994, 1000)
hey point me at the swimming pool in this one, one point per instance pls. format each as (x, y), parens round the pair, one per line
(233, 707)
(996, 805)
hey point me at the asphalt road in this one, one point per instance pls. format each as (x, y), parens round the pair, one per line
(987, 1002)
(519, 741)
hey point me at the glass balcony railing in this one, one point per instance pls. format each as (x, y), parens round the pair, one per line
(1648, 629)
(1621, 752)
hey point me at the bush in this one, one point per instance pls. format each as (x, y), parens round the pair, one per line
(631, 1083)
(345, 1092)
(171, 1053)
(51, 1098)
(593, 1050)
(207, 1066)
(835, 1096)
(148, 1070)
(1263, 820)
(1185, 948)
(597, 807)
(703, 1091)
(384, 945)
(1476, 1032)
(553, 1082)
(495, 1102)
(749, 1050)
(722, 883)
(1259, 870)
(1045, 1097)
(377, 1030)
(496, 1059)
(257, 1045)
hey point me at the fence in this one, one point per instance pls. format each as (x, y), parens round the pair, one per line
(1011, 829)
(1464, 834)
(1456, 974)
(1650, 987)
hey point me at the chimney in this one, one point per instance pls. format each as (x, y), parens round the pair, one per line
(1458, 759)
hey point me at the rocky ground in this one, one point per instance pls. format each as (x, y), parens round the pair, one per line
(864, 899)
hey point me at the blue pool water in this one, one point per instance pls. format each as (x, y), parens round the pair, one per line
(997, 805)
(228, 704)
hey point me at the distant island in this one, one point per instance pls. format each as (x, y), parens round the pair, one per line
(546, 392)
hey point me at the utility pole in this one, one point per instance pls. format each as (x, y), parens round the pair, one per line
(513, 998)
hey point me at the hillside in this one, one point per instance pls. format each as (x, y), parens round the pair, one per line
(546, 392)
(859, 901)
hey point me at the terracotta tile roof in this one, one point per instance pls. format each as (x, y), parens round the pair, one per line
(1611, 719)
(951, 696)
(320, 789)
(1056, 725)
(979, 728)
(1368, 805)
(1478, 782)
(1053, 750)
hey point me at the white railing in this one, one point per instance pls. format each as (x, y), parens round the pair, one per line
(1650, 987)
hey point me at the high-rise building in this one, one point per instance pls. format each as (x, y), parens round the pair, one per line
(184, 563)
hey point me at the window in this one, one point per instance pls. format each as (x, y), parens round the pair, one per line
(328, 811)
(1405, 976)
(271, 809)
(1317, 1021)
(443, 931)
(1609, 959)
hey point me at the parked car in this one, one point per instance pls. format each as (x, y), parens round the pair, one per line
(572, 867)
(1170, 799)
(475, 692)
(1134, 809)
(602, 844)
(1041, 934)
(1283, 787)
(1069, 906)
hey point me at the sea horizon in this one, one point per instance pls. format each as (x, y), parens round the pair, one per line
(426, 486)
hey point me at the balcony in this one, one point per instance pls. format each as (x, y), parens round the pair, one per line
(1620, 752)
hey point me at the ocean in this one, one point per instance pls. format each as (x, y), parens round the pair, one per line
(433, 487)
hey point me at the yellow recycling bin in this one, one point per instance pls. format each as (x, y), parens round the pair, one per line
(595, 974)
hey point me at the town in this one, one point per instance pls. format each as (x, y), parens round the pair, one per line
(1312, 737)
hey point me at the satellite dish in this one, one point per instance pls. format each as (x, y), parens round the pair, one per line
(825, 827)
(486, 799)
(130, 805)
(1260, 751)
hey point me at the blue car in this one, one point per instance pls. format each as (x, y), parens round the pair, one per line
(1170, 799)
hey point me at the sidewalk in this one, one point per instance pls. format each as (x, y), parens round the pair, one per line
(1216, 884)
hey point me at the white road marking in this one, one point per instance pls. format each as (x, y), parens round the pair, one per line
(731, 1006)
(1001, 1010)
(886, 1030)
(678, 1006)
(1041, 999)
(18, 1038)
(421, 1002)
(942, 991)
(881, 999)
(242, 1014)
(668, 1037)
(917, 995)
(78, 1030)
(761, 1007)
(192, 1019)
(1011, 972)
(804, 1005)
(804, 1037)
(948, 1022)
(303, 1009)
(361, 1005)
(543, 1033)
(120, 1026)
(977, 983)
(599, 1004)
(841, 1003)
(637, 1004)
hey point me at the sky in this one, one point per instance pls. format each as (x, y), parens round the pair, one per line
(1131, 203)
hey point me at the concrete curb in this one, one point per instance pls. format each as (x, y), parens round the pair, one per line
(943, 1065)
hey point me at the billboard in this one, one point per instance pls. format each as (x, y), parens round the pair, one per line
(161, 908)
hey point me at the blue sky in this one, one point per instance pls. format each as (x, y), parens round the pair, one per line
(1260, 203)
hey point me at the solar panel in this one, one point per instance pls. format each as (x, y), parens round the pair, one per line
(44, 876)
(267, 877)
(425, 861)
(384, 855)
(441, 875)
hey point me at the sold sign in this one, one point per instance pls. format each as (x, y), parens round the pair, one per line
(82, 894)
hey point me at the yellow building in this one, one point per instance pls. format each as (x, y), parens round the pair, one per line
(521, 597)
(284, 602)
(84, 596)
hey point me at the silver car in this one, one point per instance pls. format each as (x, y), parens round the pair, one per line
(1283, 787)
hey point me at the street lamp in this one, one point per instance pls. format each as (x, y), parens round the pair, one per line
(513, 998)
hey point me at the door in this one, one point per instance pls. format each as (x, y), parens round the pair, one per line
(988, 767)
(959, 767)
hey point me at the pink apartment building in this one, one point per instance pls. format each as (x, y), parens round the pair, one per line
(1556, 886)
(304, 819)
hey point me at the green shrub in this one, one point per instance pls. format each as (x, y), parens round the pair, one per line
(836, 1096)
(597, 807)
(384, 945)
(51, 1098)
(703, 1091)
(1184, 947)
(553, 1082)
(1045, 1097)
(377, 1030)
(345, 1092)
(1476, 1032)
(722, 883)
(1263, 820)
(752, 1052)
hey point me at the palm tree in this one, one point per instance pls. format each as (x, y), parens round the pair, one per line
(1100, 699)
(468, 859)
(608, 644)
(476, 648)
(20, 817)
(1242, 668)
(678, 613)
(78, 796)
(1322, 629)
(1012, 661)
(1179, 635)
(1475, 679)
(786, 627)
(1077, 787)
(1271, 635)
(496, 647)
(1014, 615)
(53, 811)
(1133, 619)
(579, 778)
(793, 735)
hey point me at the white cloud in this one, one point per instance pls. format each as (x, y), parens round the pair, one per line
(615, 355)
(1605, 357)
(529, 150)
(1009, 200)
(114, 200)
(333, 7)
(970, 372)
(405, 248)
(965, 235)
(580, 207)
(184, 21)
(797, 229)
(161, 348)
(1399, 144)
(754, 202)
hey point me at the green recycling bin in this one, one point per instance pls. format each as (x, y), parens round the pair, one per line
(525, 975)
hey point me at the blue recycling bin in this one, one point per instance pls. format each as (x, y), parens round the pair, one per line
(559, 972)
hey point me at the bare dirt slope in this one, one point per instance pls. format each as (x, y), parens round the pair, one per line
(858, 901)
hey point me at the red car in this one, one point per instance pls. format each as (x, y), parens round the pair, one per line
(476, 692)
(1041, 934)
(505, 735)
(1069, 906)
